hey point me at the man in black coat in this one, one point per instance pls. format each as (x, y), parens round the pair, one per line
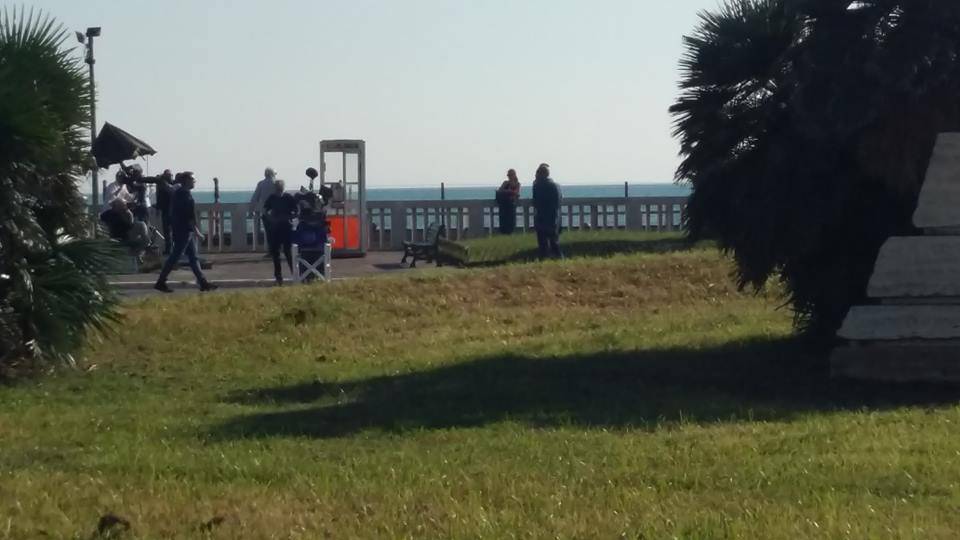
(165, 187)
(546, 219)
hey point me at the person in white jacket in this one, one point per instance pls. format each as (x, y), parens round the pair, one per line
(264, 189)
(116, 190)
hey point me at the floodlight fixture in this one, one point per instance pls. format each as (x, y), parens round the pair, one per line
(81, 37)
(93, 31)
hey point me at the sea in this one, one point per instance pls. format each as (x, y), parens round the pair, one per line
(459, 193)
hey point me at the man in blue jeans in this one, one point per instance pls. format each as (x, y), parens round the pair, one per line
(546, 219)
(183, 221)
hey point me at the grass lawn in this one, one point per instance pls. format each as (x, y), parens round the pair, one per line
(522, 247)
(635, 396)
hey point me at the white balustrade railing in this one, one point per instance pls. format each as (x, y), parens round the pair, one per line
(232, 227)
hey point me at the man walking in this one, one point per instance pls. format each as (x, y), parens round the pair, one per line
(183, 217)
(546, 219)
(263, 191)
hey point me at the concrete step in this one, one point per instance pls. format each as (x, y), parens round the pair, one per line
(903, 361)
(917, 267)
(939, 203)
(887, 323)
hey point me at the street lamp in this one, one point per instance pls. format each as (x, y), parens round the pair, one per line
(87, 40)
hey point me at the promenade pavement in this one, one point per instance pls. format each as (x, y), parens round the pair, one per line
(252, 270)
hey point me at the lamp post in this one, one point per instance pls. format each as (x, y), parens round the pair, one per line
(87, 40)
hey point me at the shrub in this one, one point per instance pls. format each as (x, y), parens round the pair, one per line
(52, 284)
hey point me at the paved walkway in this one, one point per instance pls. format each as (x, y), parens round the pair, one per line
(251, 270)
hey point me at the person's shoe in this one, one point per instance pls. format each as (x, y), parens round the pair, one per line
(162, 287)
(207, 286)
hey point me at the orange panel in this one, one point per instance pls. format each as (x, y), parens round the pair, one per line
(345, 231)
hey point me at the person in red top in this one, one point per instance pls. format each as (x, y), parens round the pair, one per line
(507, 197)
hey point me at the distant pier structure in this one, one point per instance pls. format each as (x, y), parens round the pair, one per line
(910, 332)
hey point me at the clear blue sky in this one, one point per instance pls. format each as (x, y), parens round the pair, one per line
(456, 90)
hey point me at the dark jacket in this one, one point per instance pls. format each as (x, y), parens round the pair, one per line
(546, 205)
(164, 195)
(281, 209)
(182, 213)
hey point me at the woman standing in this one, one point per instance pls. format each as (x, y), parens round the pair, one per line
(280, 209)
(507, 197)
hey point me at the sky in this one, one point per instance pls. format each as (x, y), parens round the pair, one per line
(454, 91)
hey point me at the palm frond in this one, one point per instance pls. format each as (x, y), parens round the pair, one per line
(53, 290)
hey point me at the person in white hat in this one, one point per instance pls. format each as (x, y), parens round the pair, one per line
(264, 189)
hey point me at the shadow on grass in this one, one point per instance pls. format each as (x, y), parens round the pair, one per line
(613, 247)
(756, 380)
(589, 248)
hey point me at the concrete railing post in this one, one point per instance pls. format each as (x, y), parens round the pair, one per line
(211, 221)
(238, 228)
(475, 220)
(398, 226)
(634, 214)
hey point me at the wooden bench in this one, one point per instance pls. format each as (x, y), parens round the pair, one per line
(426, 250)
(453, 253)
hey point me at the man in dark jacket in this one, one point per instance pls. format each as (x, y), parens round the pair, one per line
(546, 219)
(165, 187)
(183, 217)
(280, 209)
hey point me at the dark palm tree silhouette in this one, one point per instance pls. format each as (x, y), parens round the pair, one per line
(805, 129)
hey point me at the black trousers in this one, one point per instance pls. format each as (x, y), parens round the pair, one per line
(267, 232)
(548, 243)
(508, 218)
(281, 237)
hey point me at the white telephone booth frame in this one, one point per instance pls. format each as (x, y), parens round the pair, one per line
(348, 202)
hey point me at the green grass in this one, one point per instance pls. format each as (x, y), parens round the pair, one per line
(521, 247)
(633, 396)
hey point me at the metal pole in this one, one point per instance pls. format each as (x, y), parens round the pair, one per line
(346, 197)
(443, 192)
(95, 195)
(362, 201)
(626, 190)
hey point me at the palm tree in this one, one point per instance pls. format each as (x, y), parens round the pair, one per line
(805, 129)
(52, 284)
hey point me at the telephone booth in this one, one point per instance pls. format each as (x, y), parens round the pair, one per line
(347, 213)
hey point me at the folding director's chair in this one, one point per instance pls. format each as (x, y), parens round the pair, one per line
(312, 263)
